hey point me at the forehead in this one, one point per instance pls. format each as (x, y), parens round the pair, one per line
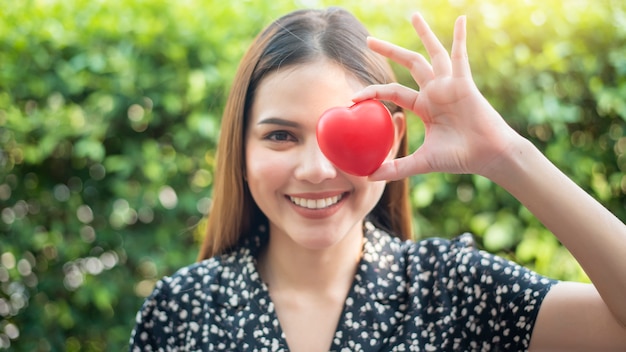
(309, 88)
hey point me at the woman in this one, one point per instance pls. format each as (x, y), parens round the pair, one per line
(302, 256)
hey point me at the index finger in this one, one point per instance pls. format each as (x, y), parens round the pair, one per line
(418, 66)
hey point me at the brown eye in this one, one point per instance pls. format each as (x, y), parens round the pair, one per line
(280, 136)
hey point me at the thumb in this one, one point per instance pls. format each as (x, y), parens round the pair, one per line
(396, 169)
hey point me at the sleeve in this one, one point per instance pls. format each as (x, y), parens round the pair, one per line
(494, 301)
(501, 297)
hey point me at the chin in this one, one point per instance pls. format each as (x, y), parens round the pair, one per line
(322, 238)
(318, 243)
(306, 237)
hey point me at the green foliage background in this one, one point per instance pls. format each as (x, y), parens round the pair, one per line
(109, 116)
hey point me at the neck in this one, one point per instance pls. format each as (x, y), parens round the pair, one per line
(285, 265)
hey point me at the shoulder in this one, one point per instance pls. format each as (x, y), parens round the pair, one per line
(193, 285)
(424, 253)
(495, 300)
(210, 280)
(192, 279)
(463, 257)
(459, 264)
(180, 304)
(462, 296)
(441, 248)
(451, 258)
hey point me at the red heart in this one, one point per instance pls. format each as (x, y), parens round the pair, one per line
(356, 139)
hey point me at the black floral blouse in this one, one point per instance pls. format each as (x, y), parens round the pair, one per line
(431, 295)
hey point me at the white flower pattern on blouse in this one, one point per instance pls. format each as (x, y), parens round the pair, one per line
(431, 295)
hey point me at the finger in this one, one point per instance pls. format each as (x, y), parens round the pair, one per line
(419, 67)
(400, 95)
(439, 58)
(401, 168)
(459, 56)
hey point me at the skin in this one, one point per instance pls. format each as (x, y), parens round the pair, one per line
(310, 261)
(574, 316)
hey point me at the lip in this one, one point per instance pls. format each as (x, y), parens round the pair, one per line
(317, 195)
(318, 213)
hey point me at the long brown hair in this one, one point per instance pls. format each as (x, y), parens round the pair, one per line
(298, 37)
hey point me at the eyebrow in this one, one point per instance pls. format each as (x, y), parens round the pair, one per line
(278, 121)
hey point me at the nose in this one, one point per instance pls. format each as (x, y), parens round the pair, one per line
(313, 165)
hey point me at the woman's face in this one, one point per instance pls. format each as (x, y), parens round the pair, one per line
(306, 199)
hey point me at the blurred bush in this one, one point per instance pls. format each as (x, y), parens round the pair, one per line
(109, 116)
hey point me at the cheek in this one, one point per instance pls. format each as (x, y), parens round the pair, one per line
(374, 195)
(376, 190)
(369, 192)
(264, 166)
(266, 176)
(261, 168)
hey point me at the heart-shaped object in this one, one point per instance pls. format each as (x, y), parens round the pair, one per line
(356, 139)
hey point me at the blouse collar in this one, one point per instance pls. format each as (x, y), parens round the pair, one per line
(375, 276)
(378, 282)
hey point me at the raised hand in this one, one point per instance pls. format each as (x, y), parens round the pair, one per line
(464, 134)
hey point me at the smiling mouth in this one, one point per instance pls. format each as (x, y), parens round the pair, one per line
(316, 203)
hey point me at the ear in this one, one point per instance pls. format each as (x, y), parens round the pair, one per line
(399, 124)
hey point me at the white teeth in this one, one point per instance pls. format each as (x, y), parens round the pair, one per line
(315, 203)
